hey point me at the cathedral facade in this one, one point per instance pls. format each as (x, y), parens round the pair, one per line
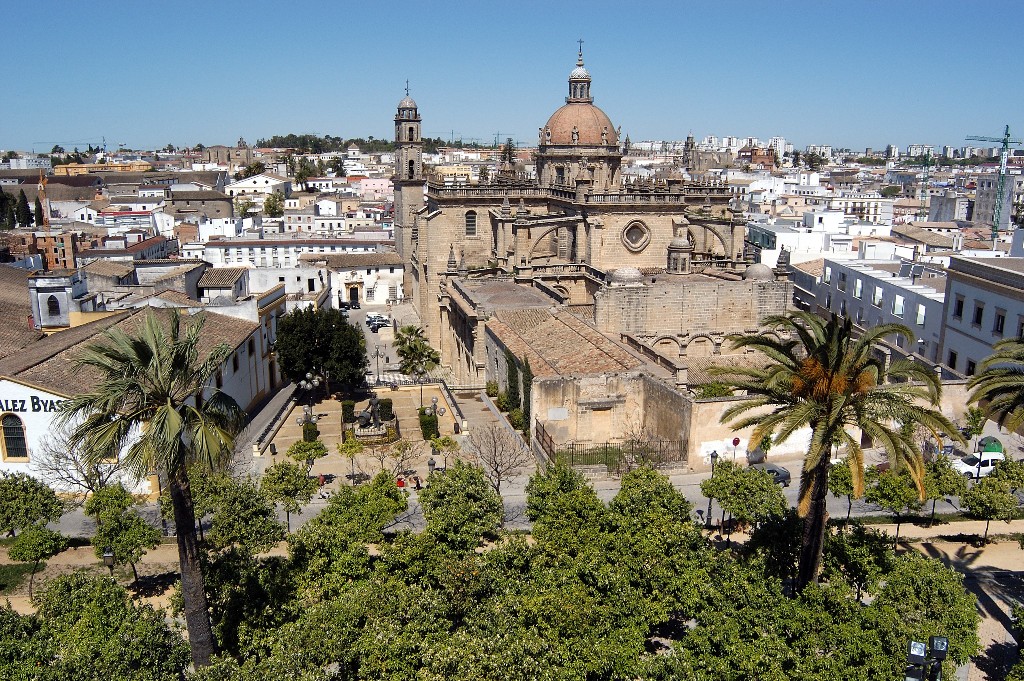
(564, 232)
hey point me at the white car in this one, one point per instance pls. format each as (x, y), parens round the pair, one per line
(978, 465)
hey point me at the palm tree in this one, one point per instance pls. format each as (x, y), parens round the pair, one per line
(418, 358)
(146, 404)
(1000, 383)
(825, 379)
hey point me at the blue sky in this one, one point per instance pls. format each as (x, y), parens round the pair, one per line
(850, 73)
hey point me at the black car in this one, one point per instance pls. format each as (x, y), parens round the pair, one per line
(779, 474)
(354, 305)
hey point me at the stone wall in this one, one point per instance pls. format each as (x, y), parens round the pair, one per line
(676, 306)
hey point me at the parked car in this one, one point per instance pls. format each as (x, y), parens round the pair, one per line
(779, 474)
(354, 305)
(978, 465)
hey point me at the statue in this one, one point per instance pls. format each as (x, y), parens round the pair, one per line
(547, 134)
(540, 135)
(575, 134)
(604, 135)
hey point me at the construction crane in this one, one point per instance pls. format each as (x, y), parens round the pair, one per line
(923, 212)
(1006, 141)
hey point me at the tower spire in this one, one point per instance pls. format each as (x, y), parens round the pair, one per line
(406, 87)
(579, 81)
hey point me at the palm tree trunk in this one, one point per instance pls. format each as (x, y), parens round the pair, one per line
(849, 508)
(193, 590)
(813, 539)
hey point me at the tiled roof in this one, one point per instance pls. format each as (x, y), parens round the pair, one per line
(50, 362)
(200, 195)
(815, 268)
(176, 298)
(559, 344)
(109, 268)
(221, 277)
(343, 261)
(15, 310)
(923, 236)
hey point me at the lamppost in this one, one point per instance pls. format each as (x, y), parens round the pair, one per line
(378, 355)
(307, 417)
(108, 559)
(714, 460)
(311, 382)
(925, 661)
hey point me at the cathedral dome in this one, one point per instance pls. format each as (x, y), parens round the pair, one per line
(407, 103)
(758, 272)
(627, 276)
(593, 126)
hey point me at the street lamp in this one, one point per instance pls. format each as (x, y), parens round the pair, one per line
(311, 382)
(925, 661)
(377, 354)
(714, 460)
(108, 559)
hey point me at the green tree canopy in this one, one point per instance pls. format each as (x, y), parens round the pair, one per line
(288, 484)
(894, 492)
(34, 544)
(320, 342)
(273, 205)
(25, 501)
(990, 499)
(461, 507)
(245, 518)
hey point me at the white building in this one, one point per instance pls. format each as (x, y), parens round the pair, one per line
(258, 187)
(35, 381)
(874, 292)
(367, 278)
(985, 303)
(275, 252)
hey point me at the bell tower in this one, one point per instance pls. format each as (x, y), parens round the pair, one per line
(408, 179)
(409, 161)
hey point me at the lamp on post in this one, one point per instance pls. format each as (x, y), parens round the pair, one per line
(108, 559)
(378, 355)
(924, 662)
(311, 382)
(714, 460)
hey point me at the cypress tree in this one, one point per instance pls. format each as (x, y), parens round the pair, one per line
(39, 212)
(527, 386)
(23, 212)
(514, 399)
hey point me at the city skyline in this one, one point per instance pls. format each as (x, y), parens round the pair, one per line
(855, 76)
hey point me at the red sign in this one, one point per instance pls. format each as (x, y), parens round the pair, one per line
(735, 442)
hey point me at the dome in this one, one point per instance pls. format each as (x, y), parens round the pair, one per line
(627, 275)
(579, 73)
(590, 122)
(758, 272)
(680, 243)
(407, 103)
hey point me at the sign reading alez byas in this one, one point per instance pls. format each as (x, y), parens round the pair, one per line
(33, 404)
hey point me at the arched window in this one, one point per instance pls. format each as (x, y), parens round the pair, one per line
(15, 446)
(412, 134)
(471, 223)
(53, 306)
(412, 169)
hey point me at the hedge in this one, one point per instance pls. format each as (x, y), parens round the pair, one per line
(386, 409)
(428, 425)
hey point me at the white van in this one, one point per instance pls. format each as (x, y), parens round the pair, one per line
(978, 465)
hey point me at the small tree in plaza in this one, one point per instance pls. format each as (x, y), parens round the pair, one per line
(25, 501)
(894, 492)
(307, 452)
(840, 483)
(35, 544)
(287, 484)
(941, 480)
(350, 448)
(500, 452)
(990, 499)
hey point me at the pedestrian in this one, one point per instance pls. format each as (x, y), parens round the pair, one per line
(417, 483)
(401, 483)
(322, 480)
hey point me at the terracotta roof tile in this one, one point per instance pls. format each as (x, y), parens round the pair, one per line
(15, 310)
(221, 277)
(50, 363)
